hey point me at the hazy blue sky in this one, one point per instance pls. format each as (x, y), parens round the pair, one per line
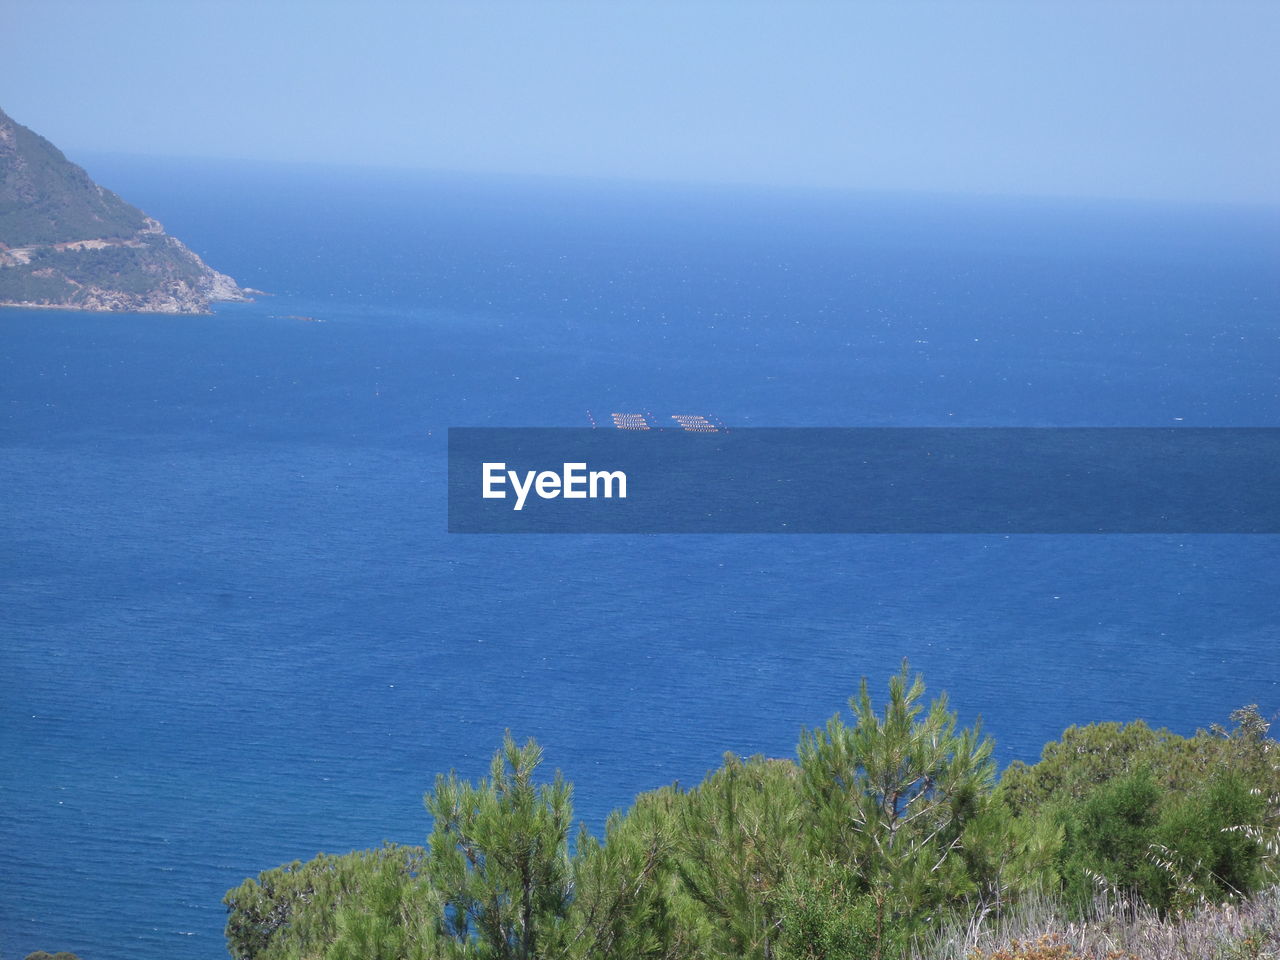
(1146, 99)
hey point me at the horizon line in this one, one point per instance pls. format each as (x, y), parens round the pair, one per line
(679, 182)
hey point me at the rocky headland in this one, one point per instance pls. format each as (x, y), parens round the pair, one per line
(66, 242)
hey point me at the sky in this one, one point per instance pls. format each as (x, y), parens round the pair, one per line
(1164, 100)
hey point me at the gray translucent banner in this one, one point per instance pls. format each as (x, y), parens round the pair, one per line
(865, 480)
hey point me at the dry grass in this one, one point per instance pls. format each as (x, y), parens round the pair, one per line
(1038, 931)
(1049, 946)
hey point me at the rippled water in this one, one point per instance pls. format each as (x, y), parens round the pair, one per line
(234, 632)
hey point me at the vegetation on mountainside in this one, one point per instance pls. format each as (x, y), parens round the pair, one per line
(889, 836)
(49, 208)
(151, 268)
(45, 198)
(25, 286)
(131, 269)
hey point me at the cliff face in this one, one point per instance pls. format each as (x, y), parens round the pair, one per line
(67, 242)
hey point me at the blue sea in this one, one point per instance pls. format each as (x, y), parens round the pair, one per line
(233, 629)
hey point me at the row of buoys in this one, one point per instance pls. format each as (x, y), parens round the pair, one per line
(630, 421)
(695, 423)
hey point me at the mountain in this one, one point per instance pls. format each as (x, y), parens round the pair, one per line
(67, 242)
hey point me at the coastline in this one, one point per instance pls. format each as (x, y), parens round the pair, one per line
(250, 296)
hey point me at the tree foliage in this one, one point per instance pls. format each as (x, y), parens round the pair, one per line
(890, 797)
(286, 911)
(887, 825)
(499, 859)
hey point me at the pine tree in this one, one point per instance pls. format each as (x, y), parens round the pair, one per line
(499, 859)
(889, 797)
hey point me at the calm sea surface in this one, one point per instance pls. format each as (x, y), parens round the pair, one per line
(233, 632)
